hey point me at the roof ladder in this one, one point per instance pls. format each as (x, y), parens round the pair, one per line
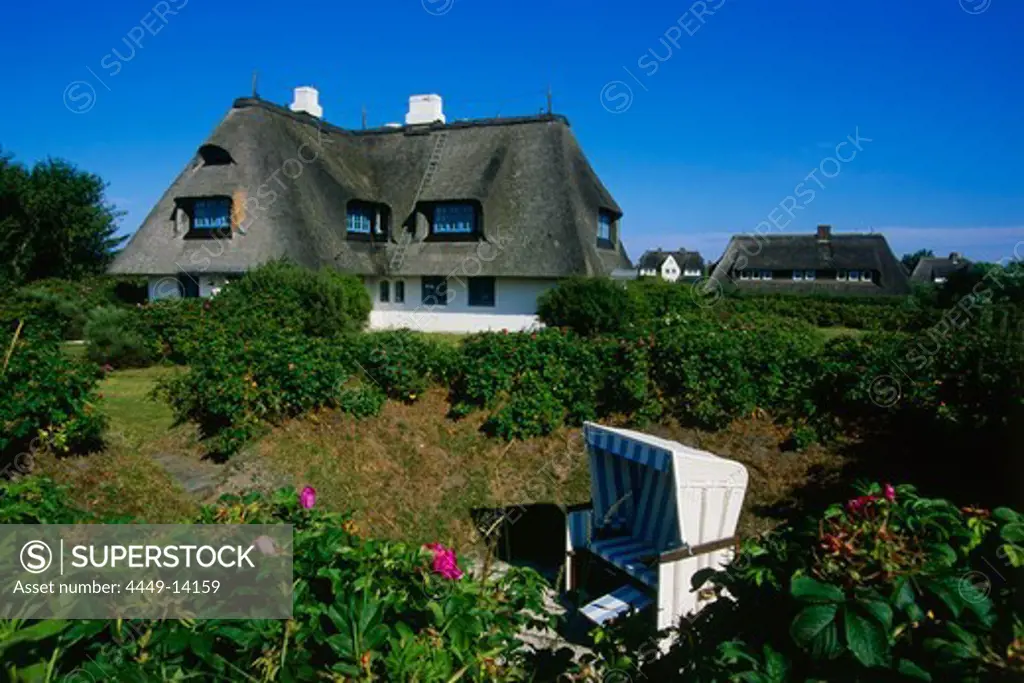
(432, 165)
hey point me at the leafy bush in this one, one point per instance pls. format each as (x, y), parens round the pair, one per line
(889, 586)
(537, 374)
(59, 308)
(322, 303)
(46, 400)
(176, 327)
(237, 386)
(114, 338)
(37, 500)
(404, 362)
(713, 372)
(363, 610)
(591, 306)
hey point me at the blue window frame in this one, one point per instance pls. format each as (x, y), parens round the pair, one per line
(454, 219)
(211, 214)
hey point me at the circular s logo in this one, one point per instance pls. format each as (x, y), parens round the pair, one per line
(79, 97)
(36, 557)
(616, 97)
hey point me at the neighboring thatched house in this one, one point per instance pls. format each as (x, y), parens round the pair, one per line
(937, 270)
(452, 226)
(671, 265)
(851, 263)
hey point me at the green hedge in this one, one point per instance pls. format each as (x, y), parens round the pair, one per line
(594, 306)
(236, 386)
(47, 400)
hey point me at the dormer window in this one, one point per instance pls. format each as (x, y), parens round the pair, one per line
(212, 155)
(454, 220)
(366, 221)
(606, 229)
(209, 217)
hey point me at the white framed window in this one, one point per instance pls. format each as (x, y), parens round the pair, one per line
(691, 272)
(854, 275)
(810, 274)
(798, 275)
(841, 275)
(865, 276)
(454, 219)
(744, 274)
(364, 219)
(766, 275)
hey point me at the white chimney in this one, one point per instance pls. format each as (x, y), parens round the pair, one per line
(307, 100)
(424, 109)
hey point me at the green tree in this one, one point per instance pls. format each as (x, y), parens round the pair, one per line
(910, 261)
(54, 222)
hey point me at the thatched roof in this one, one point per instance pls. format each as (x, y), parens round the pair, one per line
(929, 268)
(686, 260)
(842, 251)
(291, 177)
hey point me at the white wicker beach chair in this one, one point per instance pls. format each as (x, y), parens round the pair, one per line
(659, 512)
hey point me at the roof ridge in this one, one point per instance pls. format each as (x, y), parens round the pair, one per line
(302, 117)
(807, 234)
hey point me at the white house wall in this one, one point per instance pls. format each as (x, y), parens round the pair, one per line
(515, 307)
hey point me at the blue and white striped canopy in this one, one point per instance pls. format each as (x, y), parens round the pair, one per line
(633, 487)
(624, 447)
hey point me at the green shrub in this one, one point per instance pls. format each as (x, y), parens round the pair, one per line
(37, 500)
(47, 400)
(889, 586)
(503, 368)
(403, 363)
(712, 372)
(591, 306)
(364, 610)
(176, 327)
(237, 386)
(531, 410)
(59, 308)
(114, 338)
(322, 303)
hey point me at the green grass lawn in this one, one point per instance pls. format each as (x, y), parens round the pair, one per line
(124, 478)
(127, 403)
(74, 350)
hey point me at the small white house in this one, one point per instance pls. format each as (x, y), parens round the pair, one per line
(453, 227)
(671, 265)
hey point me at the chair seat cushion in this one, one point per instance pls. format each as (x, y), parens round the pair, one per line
(615, 604)
(628, 554)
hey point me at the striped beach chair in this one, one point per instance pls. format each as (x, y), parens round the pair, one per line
(659, 512)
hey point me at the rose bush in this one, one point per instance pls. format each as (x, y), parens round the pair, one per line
(364, 610)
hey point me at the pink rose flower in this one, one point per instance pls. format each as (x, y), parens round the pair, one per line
(308, 497)
(890, 493)
(859, 503)
(445, 563)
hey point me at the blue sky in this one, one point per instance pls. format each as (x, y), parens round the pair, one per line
(701, 118)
